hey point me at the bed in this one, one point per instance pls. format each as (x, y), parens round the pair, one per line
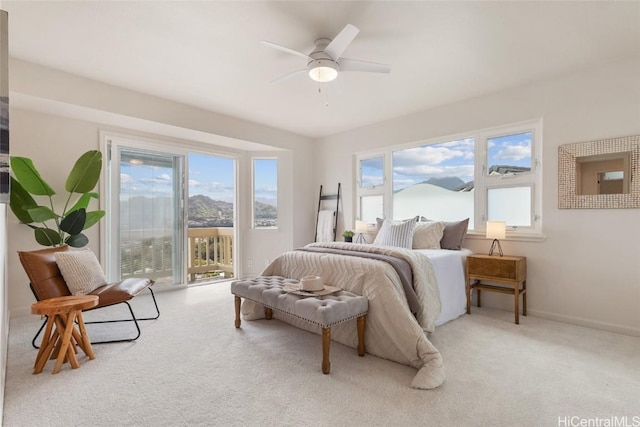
(393, 331)
(449, 267)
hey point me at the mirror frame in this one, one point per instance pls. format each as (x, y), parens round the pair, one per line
(567, 155)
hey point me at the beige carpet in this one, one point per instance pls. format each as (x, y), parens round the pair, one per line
(192, 367)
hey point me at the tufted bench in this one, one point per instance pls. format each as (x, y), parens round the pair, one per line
(324, 311)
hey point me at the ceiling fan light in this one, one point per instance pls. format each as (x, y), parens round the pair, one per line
(323, 71)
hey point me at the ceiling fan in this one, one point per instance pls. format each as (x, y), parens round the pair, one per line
(326, 60)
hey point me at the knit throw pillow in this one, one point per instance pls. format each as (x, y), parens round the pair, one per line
(81, 270)
(427, 235)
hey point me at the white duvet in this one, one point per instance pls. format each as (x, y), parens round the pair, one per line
(392, 331)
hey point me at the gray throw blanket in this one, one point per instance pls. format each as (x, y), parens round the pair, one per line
(401, 266)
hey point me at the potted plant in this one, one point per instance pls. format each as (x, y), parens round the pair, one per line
(348, 235)
(51, 228)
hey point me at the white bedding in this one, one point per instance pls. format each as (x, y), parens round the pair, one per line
(449, 267)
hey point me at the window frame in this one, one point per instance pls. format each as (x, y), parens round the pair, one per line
(482, 182)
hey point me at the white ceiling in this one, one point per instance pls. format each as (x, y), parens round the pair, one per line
(208, 54)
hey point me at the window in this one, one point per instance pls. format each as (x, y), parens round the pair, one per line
(371, 187)
(484, 175)
(372, 172)
(371, 207)
(435, 181)
(510, 177)
(265, 193)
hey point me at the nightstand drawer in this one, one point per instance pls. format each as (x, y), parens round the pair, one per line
(505, 267)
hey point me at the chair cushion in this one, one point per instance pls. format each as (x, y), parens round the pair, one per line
(115, 293)
(81, 271)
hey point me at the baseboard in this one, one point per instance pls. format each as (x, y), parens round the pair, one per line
(580, 321)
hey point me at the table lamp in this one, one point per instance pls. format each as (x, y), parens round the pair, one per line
(496, 230)
(361, 229)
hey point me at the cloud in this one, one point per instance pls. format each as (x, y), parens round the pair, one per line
(436, 154)
(415, 175)
(514, 152)
(371, 180)
(266, 192)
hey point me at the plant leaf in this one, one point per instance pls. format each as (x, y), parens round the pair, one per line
(85, 173)
(83, 202)
(77, 240)
(29, 177)
(20, 200)
(74, 222)
(41, 214)
(92, 218)
(47, 237)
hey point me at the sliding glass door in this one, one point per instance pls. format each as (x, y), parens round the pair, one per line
(145, 214)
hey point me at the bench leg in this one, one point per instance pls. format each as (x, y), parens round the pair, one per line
(361, 325)
(268, 313)
(326, 345)
(238, 303)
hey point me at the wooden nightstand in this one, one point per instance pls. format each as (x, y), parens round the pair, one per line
(511, 270)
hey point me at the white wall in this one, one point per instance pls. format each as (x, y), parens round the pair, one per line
(57, 118)
(585, 271)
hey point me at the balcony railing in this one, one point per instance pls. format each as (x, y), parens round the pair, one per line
(210, 256)
(210, 253)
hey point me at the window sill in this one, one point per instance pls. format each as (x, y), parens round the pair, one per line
(511, 237)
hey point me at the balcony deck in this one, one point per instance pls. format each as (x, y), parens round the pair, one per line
(210, 256)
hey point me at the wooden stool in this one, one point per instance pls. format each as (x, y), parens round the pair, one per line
(61, 336)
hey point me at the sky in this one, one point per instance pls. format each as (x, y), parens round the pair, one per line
(450, 159)
(211, 176)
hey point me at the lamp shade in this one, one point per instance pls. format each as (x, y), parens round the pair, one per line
(361, 227)
(322, 70)
(496, 229)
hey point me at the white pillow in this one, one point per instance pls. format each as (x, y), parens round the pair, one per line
(398, 234)
(81, 270)
(427, 235)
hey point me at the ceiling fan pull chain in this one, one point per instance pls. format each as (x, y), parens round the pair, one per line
(326, 94)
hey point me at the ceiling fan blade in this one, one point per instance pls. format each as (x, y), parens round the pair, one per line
(284, 49)
(347, 64)
(341, 42)
(288, 76)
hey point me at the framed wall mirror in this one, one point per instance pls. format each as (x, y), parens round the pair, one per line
(599, 174)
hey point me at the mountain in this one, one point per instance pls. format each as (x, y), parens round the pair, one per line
(139, 212)
(206, 212)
